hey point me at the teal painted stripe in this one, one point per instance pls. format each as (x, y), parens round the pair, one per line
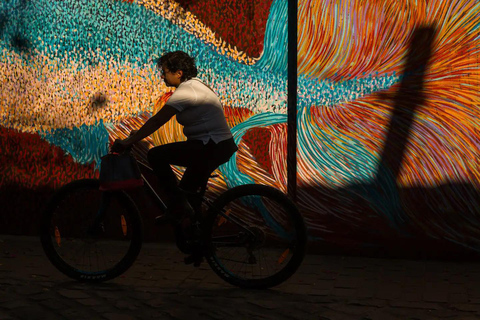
(86, 144)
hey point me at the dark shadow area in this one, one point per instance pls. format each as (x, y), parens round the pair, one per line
(435, 232)
(18, 39)
(3, 23)
(21, 44)
(371, 236)
(22, 210)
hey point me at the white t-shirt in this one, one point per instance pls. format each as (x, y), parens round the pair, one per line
(200, 112)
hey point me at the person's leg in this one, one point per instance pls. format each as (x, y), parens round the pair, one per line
(160, 158)
(196, 177)
(208, 159)
(200, 161)
(178, 153)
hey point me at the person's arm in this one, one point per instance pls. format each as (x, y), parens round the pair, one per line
(152, 125)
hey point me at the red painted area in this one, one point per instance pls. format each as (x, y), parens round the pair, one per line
(258, 140)
(30, 170)
(236, 115)
(28, 161)
(240, 23)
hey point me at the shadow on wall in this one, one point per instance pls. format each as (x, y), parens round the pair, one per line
(19, 42)
(401, 121)
(438, 228)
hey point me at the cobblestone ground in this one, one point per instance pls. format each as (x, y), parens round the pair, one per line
(160, 286)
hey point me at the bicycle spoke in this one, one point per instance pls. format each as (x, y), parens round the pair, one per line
(90, 233)
(265, 255)
(233, 219)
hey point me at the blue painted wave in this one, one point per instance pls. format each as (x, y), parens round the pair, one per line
(86, 144)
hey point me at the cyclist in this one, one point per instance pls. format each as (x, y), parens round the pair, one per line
(209, 140)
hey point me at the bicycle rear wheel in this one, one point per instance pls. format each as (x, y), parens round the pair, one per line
(91, 235)
(255, 237)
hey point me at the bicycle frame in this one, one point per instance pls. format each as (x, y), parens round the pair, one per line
(205, 200)
(149, 187)
(161, 204)
(106, 198)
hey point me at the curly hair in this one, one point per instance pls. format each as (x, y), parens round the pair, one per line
(178, 60)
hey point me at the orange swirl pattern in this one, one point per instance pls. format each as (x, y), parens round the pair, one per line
(344, 39)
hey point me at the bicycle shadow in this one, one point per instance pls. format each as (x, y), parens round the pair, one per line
(200, 290)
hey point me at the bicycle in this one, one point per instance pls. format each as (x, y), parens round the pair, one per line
(252, 236)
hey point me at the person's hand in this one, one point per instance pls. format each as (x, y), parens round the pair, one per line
(120, 146)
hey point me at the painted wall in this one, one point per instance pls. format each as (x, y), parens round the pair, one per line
(388, 112)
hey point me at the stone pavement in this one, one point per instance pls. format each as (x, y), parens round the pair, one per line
(160, 286)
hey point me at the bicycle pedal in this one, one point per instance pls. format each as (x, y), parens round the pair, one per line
(165, 219)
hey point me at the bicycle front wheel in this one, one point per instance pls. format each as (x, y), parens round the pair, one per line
(91, 235)
(255, 237)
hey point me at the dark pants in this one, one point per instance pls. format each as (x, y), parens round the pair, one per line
(200, 161)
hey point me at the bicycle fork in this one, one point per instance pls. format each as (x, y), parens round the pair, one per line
(97, 227)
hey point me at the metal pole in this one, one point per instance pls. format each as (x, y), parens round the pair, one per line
(292, 100)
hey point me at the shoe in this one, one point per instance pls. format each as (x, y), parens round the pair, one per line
(194, 258)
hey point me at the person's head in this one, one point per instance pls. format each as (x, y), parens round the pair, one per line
(177, 67)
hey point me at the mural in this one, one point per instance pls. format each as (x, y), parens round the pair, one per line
(388, 105)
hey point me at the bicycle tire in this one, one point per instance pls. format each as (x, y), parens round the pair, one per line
(273, 196)
(131, 225)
